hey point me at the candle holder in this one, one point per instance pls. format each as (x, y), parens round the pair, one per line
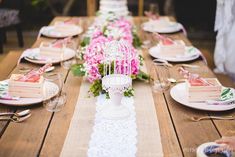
(116, 80)
(115, 85)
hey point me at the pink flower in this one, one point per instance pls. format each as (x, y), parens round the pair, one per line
(94, 55)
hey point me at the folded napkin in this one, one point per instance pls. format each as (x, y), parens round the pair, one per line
(227, 97)
(4, 95)
(30, 53)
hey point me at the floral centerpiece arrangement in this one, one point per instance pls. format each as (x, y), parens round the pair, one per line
(93, 46)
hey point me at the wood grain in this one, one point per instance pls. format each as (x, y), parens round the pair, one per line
(6, 67)
(171, 146)
(60, 123)
(9, 63)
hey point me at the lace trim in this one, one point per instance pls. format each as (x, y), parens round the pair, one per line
(116, 138)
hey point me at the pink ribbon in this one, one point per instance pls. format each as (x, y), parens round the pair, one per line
(59, 43)
(34, 75)
(165, 40)
(194, 79)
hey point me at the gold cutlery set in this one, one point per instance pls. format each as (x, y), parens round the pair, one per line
(15, 117)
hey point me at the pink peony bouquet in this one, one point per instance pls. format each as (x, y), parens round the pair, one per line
(93, 46)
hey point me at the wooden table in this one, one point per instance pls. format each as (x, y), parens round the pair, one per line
(44, 133)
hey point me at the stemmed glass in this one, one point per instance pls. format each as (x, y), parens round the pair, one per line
(54, 97)
(159, 77)
(67, 63)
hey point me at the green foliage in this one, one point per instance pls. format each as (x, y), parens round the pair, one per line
(136, 40)
(104, 30)
(142, 76)
(101, 69)
(129, 92)
(78, 70)
(141, 59)
(96, 88)
(85, 41)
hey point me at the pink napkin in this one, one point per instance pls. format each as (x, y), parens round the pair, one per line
(34, 75)
(194, 79)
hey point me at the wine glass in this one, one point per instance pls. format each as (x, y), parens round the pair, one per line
(67, 62)
(54, 97)
(159, 77)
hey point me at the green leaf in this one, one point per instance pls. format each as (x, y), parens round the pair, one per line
(129, 92)
(96, 88)
(143, 76)
(85, 41)
(136, 40)
(141, 59)
(78, 70)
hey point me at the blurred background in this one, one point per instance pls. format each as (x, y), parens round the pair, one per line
(197, 16)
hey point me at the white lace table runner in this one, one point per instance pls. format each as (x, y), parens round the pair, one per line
(113, 138)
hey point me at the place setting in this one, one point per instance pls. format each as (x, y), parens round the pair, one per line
(160, 24)
(62, 29)
(54, 52)
(203, 93)
(32, 88)
(173, 50)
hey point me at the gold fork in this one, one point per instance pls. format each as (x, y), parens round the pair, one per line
(197, 119)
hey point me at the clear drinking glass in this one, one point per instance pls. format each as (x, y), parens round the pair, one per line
(54, 97)
(159, 78)
(66, 60)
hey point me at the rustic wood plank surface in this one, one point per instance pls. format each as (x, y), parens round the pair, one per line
(6, 67)
(170, 142)
(61, 120)
(8, 64)
(44, 133)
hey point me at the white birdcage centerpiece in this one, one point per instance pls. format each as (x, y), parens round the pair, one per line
(116, 77)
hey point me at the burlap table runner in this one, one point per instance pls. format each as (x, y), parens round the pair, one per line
(148, 138)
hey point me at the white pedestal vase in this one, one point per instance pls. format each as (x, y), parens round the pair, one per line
(115, 85)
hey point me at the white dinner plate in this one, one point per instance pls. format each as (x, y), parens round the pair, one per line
(52, 32)
(50, 89)
(191, 53)
(170, 27)
(179, 94)
(34, 54)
